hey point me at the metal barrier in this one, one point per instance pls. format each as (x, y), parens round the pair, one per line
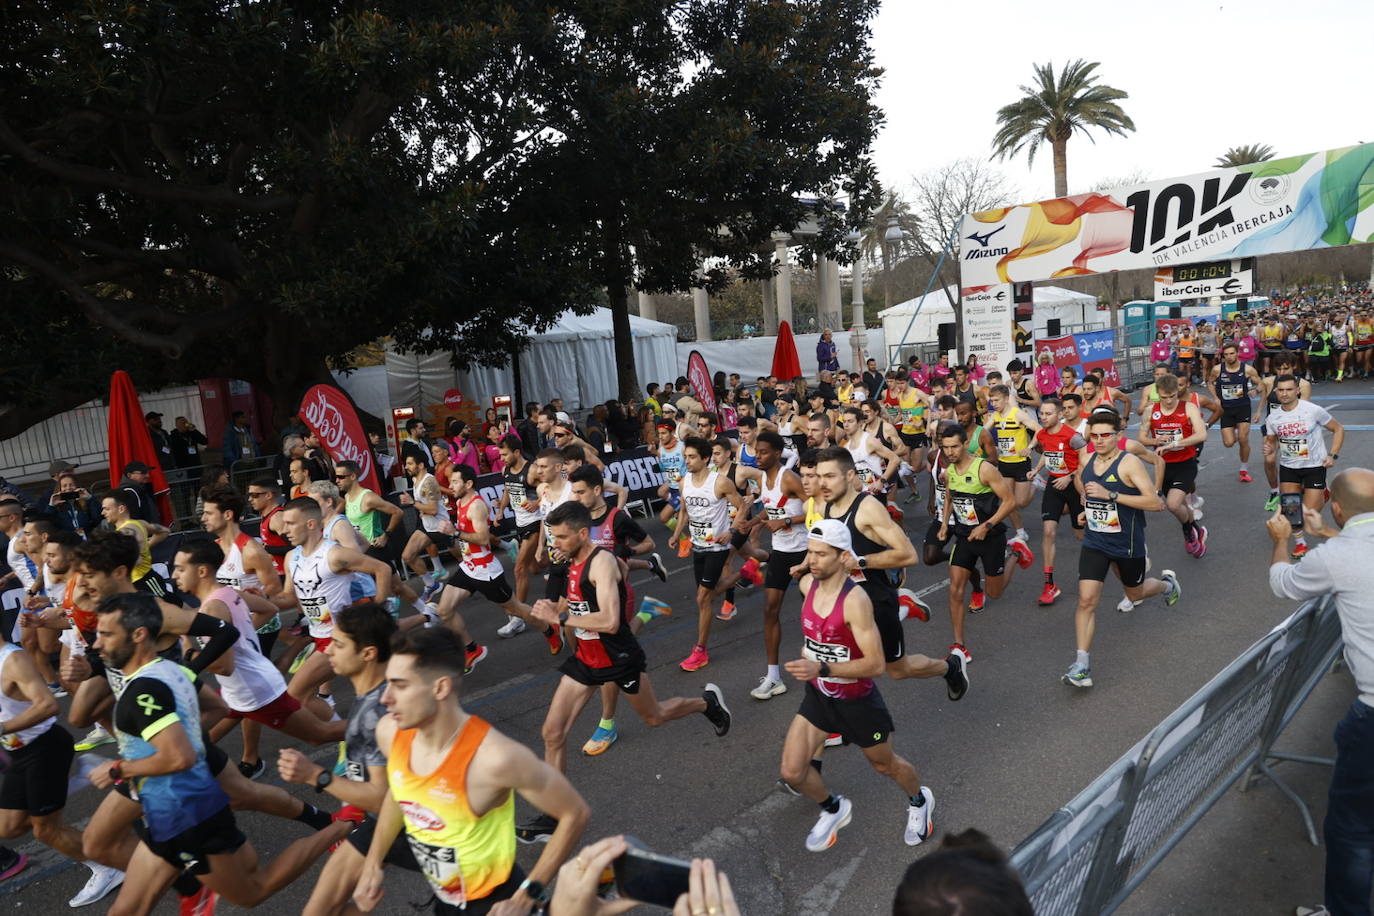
(1092, 853)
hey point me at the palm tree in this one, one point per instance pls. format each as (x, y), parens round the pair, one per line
(1052, 109)
(1247, 154)
(872, 244)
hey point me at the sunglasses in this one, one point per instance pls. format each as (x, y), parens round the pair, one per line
(342, 476)
(1103, 435)
(252, 495)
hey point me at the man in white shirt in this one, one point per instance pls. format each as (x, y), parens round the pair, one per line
(1293, 430)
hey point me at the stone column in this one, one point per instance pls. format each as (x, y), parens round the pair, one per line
(701, 310)
(823, 319)
(784, 278)
(770, 309)
(834, 299)
(647, 308)
(858, 340)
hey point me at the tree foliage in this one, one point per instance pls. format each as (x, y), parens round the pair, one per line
(1052, 109)
(198, 188)
(1245, 154)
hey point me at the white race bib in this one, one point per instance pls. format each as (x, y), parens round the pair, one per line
(1293, 447)
(1102, 516)
(964, 510)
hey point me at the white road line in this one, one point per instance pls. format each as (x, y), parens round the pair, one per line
(485, 692)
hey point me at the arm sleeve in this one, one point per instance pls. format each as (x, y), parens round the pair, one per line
(221, 635)
(145, 708)
(1300, 581)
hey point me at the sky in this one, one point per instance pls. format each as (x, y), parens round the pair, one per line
(1201, 76)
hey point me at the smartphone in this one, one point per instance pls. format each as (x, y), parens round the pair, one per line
(68, 497)
(649, 877)
(1290, 504)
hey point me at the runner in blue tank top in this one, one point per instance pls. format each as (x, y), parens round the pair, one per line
(1117, 492)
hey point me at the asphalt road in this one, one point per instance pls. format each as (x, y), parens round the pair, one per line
(1002, 760)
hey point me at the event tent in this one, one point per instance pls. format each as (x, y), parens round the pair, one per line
(574, 359)
(1077, 312)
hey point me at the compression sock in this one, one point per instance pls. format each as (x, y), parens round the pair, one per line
(976, 580)
(831, 804)
(313, 817)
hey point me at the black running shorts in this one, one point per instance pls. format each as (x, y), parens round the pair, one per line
(1094, 564)
(1179, 475)
(991, 550)
(1018, 471)
(776, 574)
(399, 854)
(1235, 415)
(483, 905)
(1310, 478)
(915, 440)
(497, 591)
(36, 781)
(864, 721)
(1055, 502)
(191, 849)
(707, 566)
(625, 675)
(557, 583)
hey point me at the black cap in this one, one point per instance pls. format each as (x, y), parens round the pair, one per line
(133, 467)
(150, 414)
(58, 466)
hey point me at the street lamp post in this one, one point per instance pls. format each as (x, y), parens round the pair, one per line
(891, 239)
(858, 340)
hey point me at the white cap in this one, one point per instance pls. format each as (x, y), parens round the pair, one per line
(834, 532)
(562, 417)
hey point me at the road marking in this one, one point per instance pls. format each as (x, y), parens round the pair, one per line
(478, 696)
(825, 896)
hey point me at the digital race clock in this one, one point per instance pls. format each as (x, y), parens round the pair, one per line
(1212, 270)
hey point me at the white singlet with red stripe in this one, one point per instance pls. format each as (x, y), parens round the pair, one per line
(232, 571)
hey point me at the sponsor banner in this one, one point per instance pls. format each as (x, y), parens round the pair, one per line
(1317, 200)
(1082, 353)
(700, 378)
(987, 318)
(330, 415)
(634, 469)
(1241, 284)
(1167, 325)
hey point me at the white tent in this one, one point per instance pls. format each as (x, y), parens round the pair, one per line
(1076, 311)
(574, 360)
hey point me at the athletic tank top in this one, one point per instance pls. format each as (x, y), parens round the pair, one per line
(319, 589)
(478, 560)
(778, 505)
(1272, 336)
(1364, 333)
(1011, 434)
(674, 465)
(517, 485)
(866, 464)
(876, 582)
(707, 514)
(813, 514)
(937, 472)
(10, 707)
(597, 650)
(828, 639)
(550, 500)
(975, 442)
(972, 501)
(367, 521)
(912, 408)
(1185, 347)
(1233, 387)
(255, 681)
(746, 457)
(464, 856)
(145, 553)
(25, 570)
(232, 572)
(1113, 529)
(1061, 458)
(602, 533)
(1173, 427)
(270, 538)
(83, 620)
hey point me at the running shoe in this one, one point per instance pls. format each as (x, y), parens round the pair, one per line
(301, 657)
(684, 548)
(1194, 501)
(834, 739)
(1200, 548)
(696, 660)
(96, 737)
(655, 608)
(601, 741)
(555, 640)
(920, 822)
(536, 830)
(1024, 557)
(959, 647)
(103, 879)
(822, 836)
(727, 611)
(431, 590)
(1299, 551)
(1049, 594)
(976, 602)
(908, 605)
(58, 691)
(202, 903)
(472, 656)
(1175, 590)
(717, 713)
(768, 688)
(656, 567)
(11, 862)
(750, 572)
(1126, 606)
(897, 514)
(252, 770)
(514, 627)
(1078, 676)
(1272, 503)
(956, 678)
(1245, 477)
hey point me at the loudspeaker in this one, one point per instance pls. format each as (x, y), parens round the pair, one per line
(1052, 326)
(945, 336)
(1242, 304)
(1175, 311)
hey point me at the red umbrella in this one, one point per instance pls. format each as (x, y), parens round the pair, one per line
(786, 365)
(129, 441)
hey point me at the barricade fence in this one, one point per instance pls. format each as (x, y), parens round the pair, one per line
(1092, 853)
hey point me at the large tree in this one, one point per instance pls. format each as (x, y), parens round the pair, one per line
(1245, 154)
(1052, 109)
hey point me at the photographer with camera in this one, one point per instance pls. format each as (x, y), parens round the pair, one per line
(72, 506)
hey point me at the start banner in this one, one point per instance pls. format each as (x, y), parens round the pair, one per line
(1082, 353)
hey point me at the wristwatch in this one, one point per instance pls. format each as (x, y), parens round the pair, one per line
(538, 891)
(863, 562)
(323, 780)
(1335, 455)
(825, 669)
(1114, 495)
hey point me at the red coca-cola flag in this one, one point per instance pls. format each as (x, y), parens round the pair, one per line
(331, 417)
(700, 378)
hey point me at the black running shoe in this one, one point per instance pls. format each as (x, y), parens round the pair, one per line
(537, 830)
(716, 710)
(656, 567)
(252, 770)
(956, 678)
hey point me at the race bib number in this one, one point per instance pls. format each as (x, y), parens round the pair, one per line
(581, 609)
(824, 651)
(315, 608)
(1006, 446)
(701, 533)
(1169, 436)
(964, 511)
(354, 771)
(939, 502)
(866, 474)
(674, 475)
(440, 865)
(1232, 392)
(11, 742)
(1102, 516)
(1293, 447)
(1056, 463)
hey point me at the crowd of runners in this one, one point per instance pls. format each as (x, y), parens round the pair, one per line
(806, 502)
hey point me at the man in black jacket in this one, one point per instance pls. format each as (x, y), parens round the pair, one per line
(136, 481)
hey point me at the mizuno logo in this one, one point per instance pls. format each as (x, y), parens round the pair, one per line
(985, 237)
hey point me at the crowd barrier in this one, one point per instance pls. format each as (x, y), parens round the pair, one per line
(1093, 852)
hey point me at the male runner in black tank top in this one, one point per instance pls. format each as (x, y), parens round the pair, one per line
(879, 545)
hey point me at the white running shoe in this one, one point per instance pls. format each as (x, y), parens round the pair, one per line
(103, 880)
(768, 688)
(1127, 605)
(1195, 502)
(822, 836)
(920, 822)
(95, 738)
(514, 627)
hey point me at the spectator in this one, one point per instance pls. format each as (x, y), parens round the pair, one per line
(162, 443)
(826, 387)
(598, 431)
(490, 451)
(1162, 349)
(239, 444)
(941, 368)
(874, 382)
(1341, 568)
(489, 421)
(461, 446)
(73, 508)
(624, 429)
(216, 478)
(1046, 376)
(966, 876)
(292, 447)
(528, 429)
(417, 443)
(321, 465)
(651, 401)
(827, 354)
(976, 372)
(135, 481)
(187, 441)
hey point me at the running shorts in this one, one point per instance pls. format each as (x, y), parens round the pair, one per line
(738, 539)
(1055, 502)
(1310, 478)
(497, 591)
(36, 781)
(991, 550)
(273, 715)
(399, 854)
(1179, 475)
(482, 906)
(776, 574)
(707, 565)
(1093, 564)
(915, 440)
(625, 675)
(1014, 470)
(439, 539)
(1234, 415)
(933, 535)
(523, 532)
(557, 583)
(889, 627)
(864, 721)
(191, 849)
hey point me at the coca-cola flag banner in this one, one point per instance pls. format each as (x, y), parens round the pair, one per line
(1082, 353)
(700, 378)
(330, 416)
